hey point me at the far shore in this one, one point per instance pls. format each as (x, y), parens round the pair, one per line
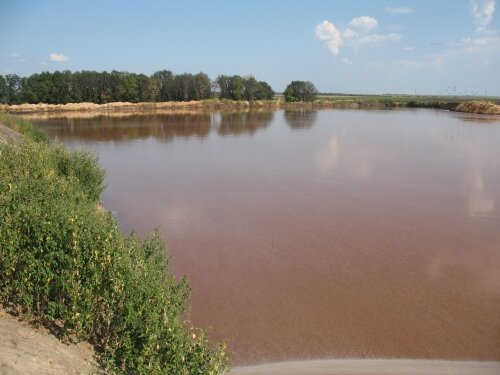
(371, 367)
(323, 101)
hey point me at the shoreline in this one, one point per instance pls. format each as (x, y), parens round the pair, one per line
(371, 367)
(380, 102)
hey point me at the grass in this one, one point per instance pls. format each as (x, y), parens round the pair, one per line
(65, 262)
(23, 127)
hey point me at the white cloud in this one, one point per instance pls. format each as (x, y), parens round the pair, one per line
(482, 10)
(354, 35)
(474, 42)
(330, 35)
(17, 57)
(345, 60)
(485, 44)
(409, 48)
(410, 64)
(58, 57)
(365, 23)
(378, 38)
(399, 10)
(349, 33)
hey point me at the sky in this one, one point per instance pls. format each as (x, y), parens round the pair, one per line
(351, 46)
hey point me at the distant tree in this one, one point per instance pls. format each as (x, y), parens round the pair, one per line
(143, 87)
(231, 87)
(200, 87)
(300, 91)
(264, 91)
(129, 84)
(154, 90)
(182, 87)
(30, 87)
(164, 80)
(214, 85)
(224, 83)
(251, 88)
(90, 83)
(103, 87)
(60, 92)
(3, 90)
(13, 88)
(237, 88)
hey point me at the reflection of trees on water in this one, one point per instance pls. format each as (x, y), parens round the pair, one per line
(300, 118)
(165, 126)
(234, 123)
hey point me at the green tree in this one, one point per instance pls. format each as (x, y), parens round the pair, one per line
(224, 84)
(164, 80)
(13, 88)
(237, 88)
(61, 87)
(251, 88)
(182, 86)
(143, 87)
(3, 90)
(264, 91)
(201, 87)
(129, 84)
(300, 91)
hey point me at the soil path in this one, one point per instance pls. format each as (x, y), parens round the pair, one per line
(28, 350)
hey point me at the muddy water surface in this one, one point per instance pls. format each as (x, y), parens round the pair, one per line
(318, 234)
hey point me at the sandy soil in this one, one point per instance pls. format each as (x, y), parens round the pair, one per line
(371, 367)
(27, 350)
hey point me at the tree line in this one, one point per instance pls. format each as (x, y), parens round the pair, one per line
(104, 87)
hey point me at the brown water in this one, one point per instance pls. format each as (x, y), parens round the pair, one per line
(318, 234)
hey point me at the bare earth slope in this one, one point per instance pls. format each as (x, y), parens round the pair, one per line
(8, 134)
(26, 350)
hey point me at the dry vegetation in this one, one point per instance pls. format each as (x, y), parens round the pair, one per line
(483, 107)
(88, 109)
(143, 106)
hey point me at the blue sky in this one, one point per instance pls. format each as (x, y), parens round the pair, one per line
(351, 46)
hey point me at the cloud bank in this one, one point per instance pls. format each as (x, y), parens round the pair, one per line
(356, 33)
(364, 22)
(399, 10)
(330, 35)
(482, 10)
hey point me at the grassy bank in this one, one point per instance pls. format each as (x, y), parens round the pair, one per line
(401, 101)
(64, 261)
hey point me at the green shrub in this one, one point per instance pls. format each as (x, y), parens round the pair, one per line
(65, 261)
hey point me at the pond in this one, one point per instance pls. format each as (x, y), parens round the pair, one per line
(317, 233)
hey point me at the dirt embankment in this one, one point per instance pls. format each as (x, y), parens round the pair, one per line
(9, 135)
(25, 349)
(482, 107)
(209, 104)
